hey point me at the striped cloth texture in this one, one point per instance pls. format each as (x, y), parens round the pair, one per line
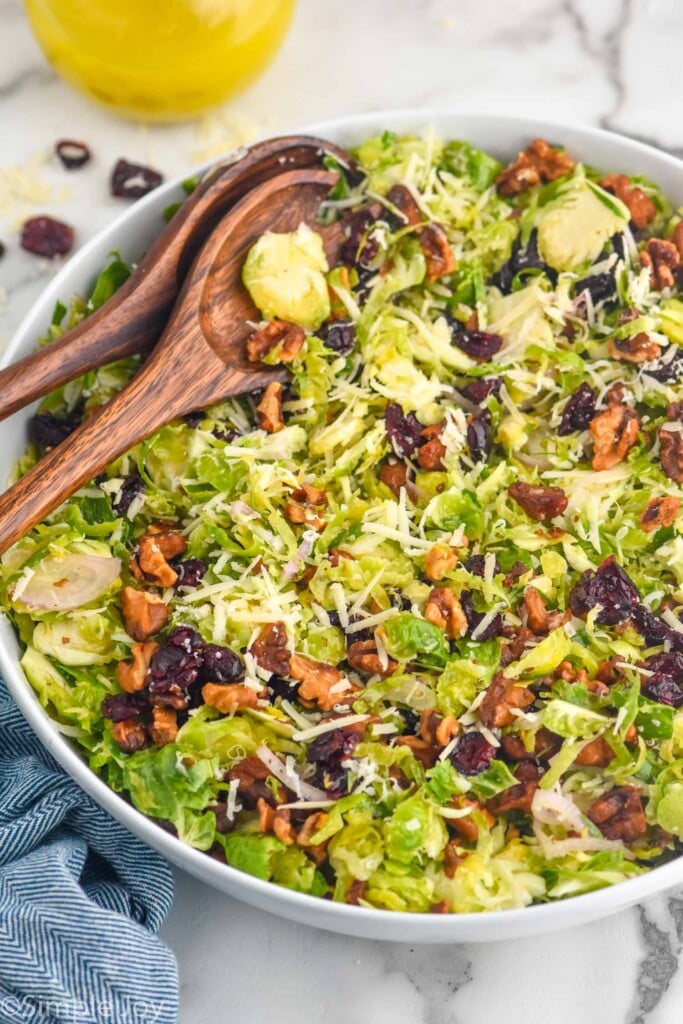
(81, 900)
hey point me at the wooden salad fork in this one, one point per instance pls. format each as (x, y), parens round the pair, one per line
(200, 358)
(132, 320)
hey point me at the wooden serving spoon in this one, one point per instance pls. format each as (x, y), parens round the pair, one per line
(200, 358)
(132, 320)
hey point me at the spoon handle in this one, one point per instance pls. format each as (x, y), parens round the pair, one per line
(132, 320)
(149, 401)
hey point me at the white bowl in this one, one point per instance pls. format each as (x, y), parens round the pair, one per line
(131, 233)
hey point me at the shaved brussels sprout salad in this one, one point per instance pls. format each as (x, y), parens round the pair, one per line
(404, 632)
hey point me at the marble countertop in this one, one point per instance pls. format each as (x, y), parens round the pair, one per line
(615, 63)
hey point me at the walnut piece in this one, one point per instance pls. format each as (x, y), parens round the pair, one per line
(144, 614)
(671, 452)
(440, 559)
(321, 684)
(662, 511)
(164, 726)
(437, 251)
(538, 162)
(619, 814)
(270, 648)
(596, 754)
(614, 433)
(364, 657)
(153, 552)
(430, 455)
(132, 675)
(641, 348)
(402, 198)
(130, 735)
(502, 695)
(278, 332)
(229, 698)
(394, 475)
(663, 258)
(443, 609)
(539, 502)
(269, 409)
(643, 211)
(539, 620)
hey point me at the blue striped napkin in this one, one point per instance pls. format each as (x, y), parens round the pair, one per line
(80, 900)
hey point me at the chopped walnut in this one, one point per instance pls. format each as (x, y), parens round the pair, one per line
(394, 475)
(313, 823)
(442, 907)
(278, 332)
(614, 433)
(663, 258)
(671, 452)
(164, 727)
(266, 815)
(364, 657)
(423, 751)
(641, 348)
(539, 502)
(619, 814)
(519, 797)
(269, 409)
(466, 827)
(430, 455)
(406, 204)
(596, 754)
(130, 735)
(251, 774)
(270, 648)
(230, 697)
(440, 559)
(539, 620)
(132, 676)
(446, 730)
(356, 892)
(502, 695)
(153, 552)
(437, 251)
(643, 211)
(660, 512)
(452, 859)
(303, 515)
(546, 744)
(144, 614)
(310, 495)
(538, 162)
(443, 609)
(321, 684)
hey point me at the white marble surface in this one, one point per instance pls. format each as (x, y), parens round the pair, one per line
(610, 62)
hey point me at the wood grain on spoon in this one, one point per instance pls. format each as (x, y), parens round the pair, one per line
(200, 358)
(132, 320)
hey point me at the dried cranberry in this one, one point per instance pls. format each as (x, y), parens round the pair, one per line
(191, 572)
(278, 686)
(480, 345)
(359, 247)
(327, 752)
(579, 411)
(49, 430)
(404, 432)
(522, 259)
(669, 367)
(221, 665)
(601, 287)
(664, 689)
(195, 418)
(480, 436)
(472, 754)
(175, 666)
(45, 236)
(411, 720)
(476, 565)
(654, 630)
(475, 618)
(117, 707)
(131, 488)
(357, 634)
(668, 663)
(611, 588)
(339, 335)
(478, 391)
(131, 181)
(72, 154)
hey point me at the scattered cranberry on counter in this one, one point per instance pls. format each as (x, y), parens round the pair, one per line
(47, 237)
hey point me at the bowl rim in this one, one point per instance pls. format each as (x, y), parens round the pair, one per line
(394, 925)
